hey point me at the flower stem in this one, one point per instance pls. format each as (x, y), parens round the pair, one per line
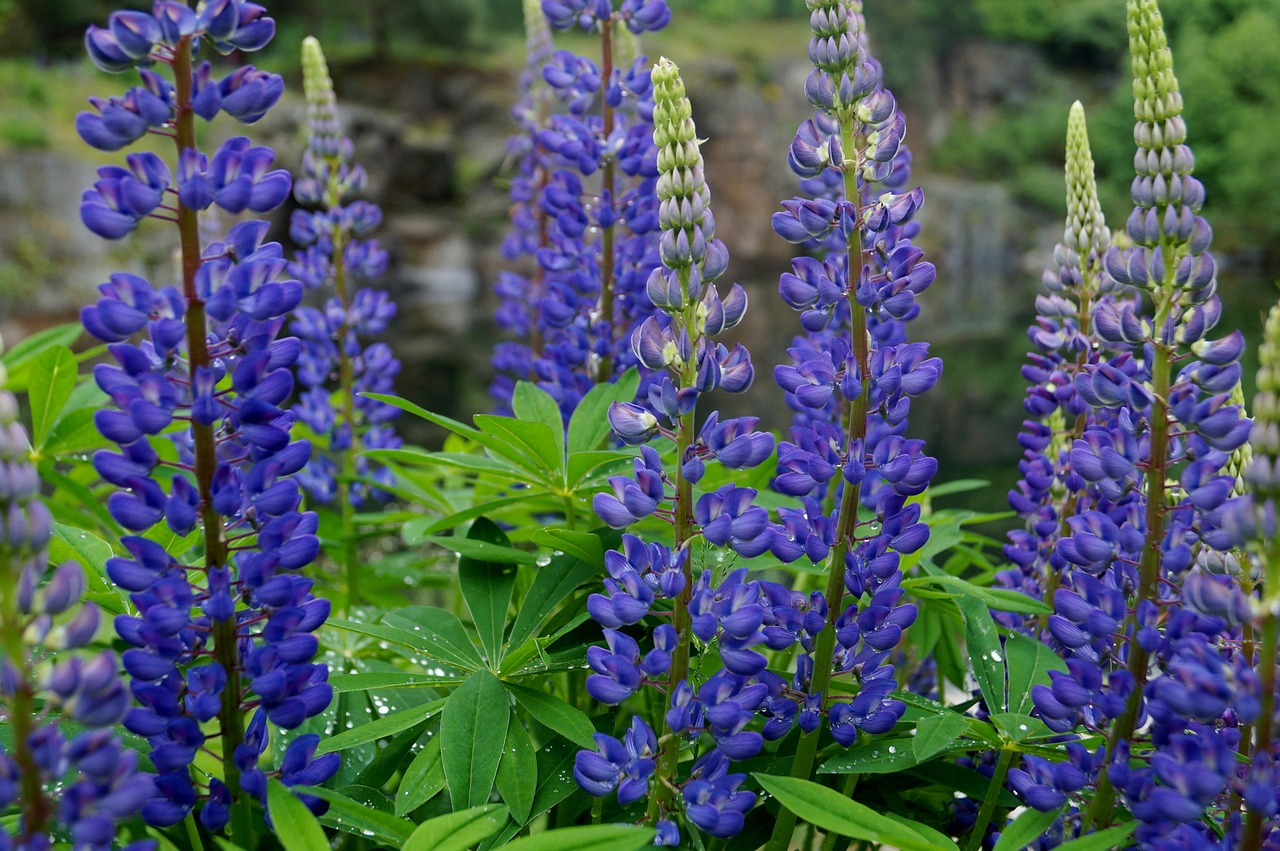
(681, 620)
(846, 523)
(347, 392)
(1267, 659)
(604, 367)
(989, 802)
(226, 644)
(32, 801)
(1149, 570)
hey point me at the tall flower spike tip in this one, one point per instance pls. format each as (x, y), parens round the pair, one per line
(322, 104)
(1086, 229)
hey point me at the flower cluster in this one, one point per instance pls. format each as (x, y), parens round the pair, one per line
(590, 215)
(851, 380)
(518, 293)
(88, 783)
(223, 636)
(1149, 634)
(333, 352)
(725, 614)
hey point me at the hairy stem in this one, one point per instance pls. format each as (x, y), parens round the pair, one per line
(604, 368)
(1149, 570)
(226, 645)
(846, 523)
(1264, 732)
(989, 802)
(669, 759)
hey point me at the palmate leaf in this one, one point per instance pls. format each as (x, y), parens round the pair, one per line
(457, 831)
(360, 819)
(983, 645)
(486, 580)
(1029, 664)
(589, 425)
(596, 837)
(555, 714)
(518, 772)
(387, 725)
(295, 826)
(473, 733)
(531, 403)
(422, 780)
(1025, 829)
(552, 585)
(52, 380)
(21, 357)
(830, 810)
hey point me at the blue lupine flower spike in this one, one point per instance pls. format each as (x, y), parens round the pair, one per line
(337, 363)
(678, 345)
(223, 638)
(851, 382)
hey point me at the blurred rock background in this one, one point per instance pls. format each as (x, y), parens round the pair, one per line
(425, 86)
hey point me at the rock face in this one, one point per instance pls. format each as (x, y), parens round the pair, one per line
(434, 146)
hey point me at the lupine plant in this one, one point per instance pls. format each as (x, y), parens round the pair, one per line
(221, 628)
(584, 203)
(643, 623)
(337, 364)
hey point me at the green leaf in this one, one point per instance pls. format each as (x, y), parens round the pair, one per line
(481, 549)
(494, 443)
(19, 359)
(1017, 727)
(555, 775)
(533, 444)
(518, 772)
(415, 531)
(937, 733)
(878, 756)
(74, 432)
(555, 714)
(1103, 840)
(388, 680)
(596, 837)
(480, 464)
(295, 826)
(85, 547)
(360, 819)
(422, 780)
(584, 464)
(473, 731)
(550, 587)
(486, 582)
(584, 545)
(1025, 829)
(589, 425)
(983, 646)
(427, 643)
(531, 403)
(387, 725)
(1029, 664)
(438, 626)
(830, 810)
(53, 377)
(1001, 599)
(458, 831)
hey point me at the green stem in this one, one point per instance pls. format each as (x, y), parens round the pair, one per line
(570, 516)
(35, 806)
(1149, 570)
(226, 646)
(669, 759)
(1265, 730)
(347, 393)
(989, 803)
(604, 368)
(847, 521)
